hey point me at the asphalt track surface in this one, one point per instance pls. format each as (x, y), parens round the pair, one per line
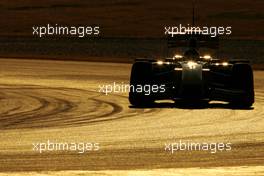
(60, 101)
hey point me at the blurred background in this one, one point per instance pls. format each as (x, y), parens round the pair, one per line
(129, 29)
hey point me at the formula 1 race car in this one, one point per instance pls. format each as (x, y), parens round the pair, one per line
(192, 78)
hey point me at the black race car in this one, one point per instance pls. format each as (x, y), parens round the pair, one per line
(191, 77)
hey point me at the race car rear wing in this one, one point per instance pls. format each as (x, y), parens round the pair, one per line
(235, 61)
(231, 61)
(202, 41)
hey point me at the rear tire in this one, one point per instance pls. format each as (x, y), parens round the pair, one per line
(243, 80)
(141, 75)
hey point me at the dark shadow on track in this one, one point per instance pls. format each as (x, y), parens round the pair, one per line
(188, 105)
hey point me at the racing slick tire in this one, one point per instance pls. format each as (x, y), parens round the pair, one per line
(141, 75)
(243, 80)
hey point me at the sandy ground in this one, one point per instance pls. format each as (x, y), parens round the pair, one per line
(59, 101)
